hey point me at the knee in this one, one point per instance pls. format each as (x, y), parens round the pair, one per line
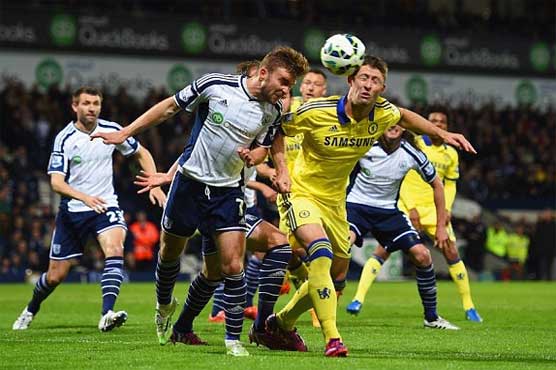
(276, 238)
(54, 278)
(423, 257)
(232, 267)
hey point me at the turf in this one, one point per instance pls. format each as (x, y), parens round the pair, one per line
(519, 332)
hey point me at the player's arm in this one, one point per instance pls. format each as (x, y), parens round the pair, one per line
(442, 239)
(253, 157)
(146, 161)
(269, 193)
(264, 170)
(158, 113)
(60, 186)
(277, 150)
(414, 122)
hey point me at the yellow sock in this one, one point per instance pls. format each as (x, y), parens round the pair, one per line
(299, 275)
(368, 276)
(458, 272)
(323, 296)
(300, 302)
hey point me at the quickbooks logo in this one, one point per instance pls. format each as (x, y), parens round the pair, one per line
(178, 77)
(540, 56)
(217, 117)
(194, 37)
(416, 89)
(48, 72)
(63, 30)
(313, 41)
(431, 50)
(526, 93)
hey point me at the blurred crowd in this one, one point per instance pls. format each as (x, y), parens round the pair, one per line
(527, 18)
(516, 160)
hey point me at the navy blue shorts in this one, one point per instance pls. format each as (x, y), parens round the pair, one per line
(74, 228)
(252, 220)
(390, 227)
(192, 205)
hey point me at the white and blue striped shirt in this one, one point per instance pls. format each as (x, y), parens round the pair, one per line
(87, 164)
(379, 175)
(227, 118)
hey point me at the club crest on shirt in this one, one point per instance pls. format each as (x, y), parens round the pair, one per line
(56, 160)
(373, 127)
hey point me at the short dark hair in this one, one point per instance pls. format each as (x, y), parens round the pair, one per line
(244, 67)
(86, 90)
(318, 72)
(374, 62)
(438, 109)
(283, 56)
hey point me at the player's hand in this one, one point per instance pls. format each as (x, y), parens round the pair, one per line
(116, 137)
(97, 204)
(458, 140)
(270, 195)
(157, 197)
(441, 238)
(282, 183)
(148, 181)
(245, 155)
(415, 219)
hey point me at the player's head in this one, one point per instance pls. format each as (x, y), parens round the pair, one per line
(439, 118)
(368, 81)
(278, 71)
(313, 85)
(86, 103)
(248, 68)
(393, 133)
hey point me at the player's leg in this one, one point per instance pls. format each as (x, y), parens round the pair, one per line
(231, 248)
(426, 285)
(368, 275)
(252, 272)
(180, 220)
(111, 240)
(67, 245)
(199, 294)
(48, 281)
(267, 237)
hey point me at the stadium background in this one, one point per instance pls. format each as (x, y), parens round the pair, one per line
(491, 63)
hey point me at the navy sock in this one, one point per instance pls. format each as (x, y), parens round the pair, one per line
(252, 278)
(112, 277)
(166, 276)
(40, 293)
(271, 277)
(426, 284)
(218, 301)
(199, 294)
(234, 303)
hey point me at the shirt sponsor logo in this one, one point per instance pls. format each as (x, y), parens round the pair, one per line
(348, 142)
(217, 118)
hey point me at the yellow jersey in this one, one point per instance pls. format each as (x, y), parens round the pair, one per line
(415, 192)
(293, 143)
(332, 144)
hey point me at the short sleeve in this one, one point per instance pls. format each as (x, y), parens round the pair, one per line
(58, 163)
(128, 147)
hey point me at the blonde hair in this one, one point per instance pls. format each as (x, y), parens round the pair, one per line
(291, 60)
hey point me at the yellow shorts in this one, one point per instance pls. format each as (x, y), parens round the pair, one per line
(296, 210)
(427, 216)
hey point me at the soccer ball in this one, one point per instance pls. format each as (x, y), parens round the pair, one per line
(342, 54)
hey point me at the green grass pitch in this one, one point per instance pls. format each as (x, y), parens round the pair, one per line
(519, 332)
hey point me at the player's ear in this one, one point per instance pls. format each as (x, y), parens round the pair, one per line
(74, 105)
(263, 73)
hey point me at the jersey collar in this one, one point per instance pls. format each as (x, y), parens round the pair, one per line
(427, 140)
(341, 111)
(243, 83)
